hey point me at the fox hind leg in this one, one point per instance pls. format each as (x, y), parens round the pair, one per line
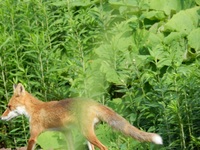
(90, 146)
(91, 137)
(88, 132)
(70, 140)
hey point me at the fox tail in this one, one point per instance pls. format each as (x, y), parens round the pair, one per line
(119, 123)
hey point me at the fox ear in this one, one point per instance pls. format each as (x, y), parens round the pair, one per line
(18, 89)
(14, 86)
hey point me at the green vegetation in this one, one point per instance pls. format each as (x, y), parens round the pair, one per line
(139, 57)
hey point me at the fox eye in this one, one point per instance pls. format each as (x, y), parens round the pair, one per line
(8, 106)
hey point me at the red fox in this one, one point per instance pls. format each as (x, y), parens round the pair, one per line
(58, 115)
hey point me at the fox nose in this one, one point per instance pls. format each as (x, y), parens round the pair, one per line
(3, 118)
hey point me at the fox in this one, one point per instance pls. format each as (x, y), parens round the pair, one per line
(60, 115)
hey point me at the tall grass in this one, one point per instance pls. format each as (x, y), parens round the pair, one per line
(137, 57)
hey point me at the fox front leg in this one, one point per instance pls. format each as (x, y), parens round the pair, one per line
(34, 132)
(31, 144)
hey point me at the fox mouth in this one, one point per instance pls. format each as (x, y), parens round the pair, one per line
(10, 115)
(6, 118)
(20, 110)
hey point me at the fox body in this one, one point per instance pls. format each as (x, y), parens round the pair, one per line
(59, 115)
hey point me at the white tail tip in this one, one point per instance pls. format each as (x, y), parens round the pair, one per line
(157, 139)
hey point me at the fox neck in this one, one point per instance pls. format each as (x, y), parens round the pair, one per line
(30, 105)
(22, 111)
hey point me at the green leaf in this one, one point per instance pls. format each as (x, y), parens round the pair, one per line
(141, 60)
(59, 3)
(173, 36)
(51, 140)
(124, 2)
(165, 5)
(184, 21)
(111, 74)
(154, 39)
(193, 39)
(153, 15)
(198, 2)
(147, 77)
(164, 62)
(158, 52)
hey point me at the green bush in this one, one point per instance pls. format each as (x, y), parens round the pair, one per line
(140, 58)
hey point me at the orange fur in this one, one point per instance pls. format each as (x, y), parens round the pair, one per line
(59, 115)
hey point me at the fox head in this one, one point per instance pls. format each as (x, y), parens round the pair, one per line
(16, 105)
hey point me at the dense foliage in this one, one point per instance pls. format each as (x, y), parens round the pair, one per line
(139, 57)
